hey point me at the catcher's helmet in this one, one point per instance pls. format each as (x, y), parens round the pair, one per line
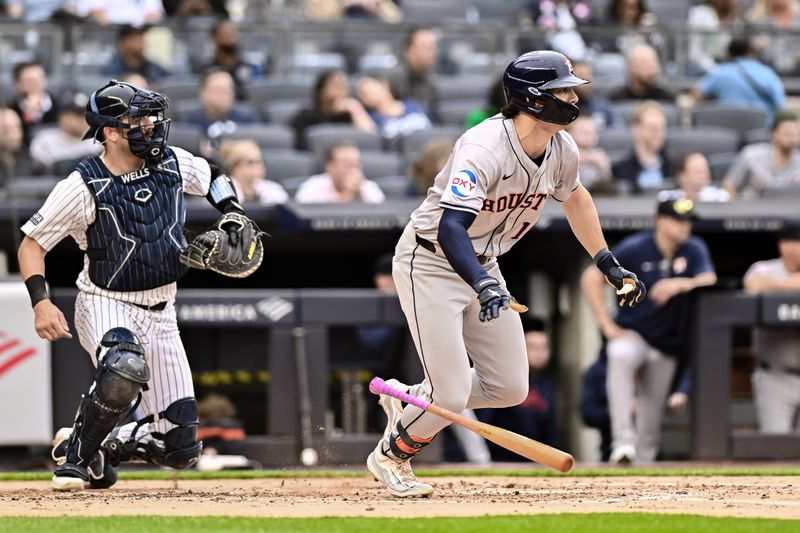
(108, 105)
(528, 79)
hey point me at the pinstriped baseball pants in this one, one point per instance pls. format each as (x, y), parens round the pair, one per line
(170, 375)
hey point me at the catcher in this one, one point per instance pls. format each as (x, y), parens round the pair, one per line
(125, 209)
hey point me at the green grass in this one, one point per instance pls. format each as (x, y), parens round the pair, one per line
(432, 473)
(563, 523)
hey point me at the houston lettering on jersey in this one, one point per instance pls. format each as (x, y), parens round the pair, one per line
(135, 175)
(514, 200)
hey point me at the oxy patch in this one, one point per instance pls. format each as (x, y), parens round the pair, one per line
(464, 184)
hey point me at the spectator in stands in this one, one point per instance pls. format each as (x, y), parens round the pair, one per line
(39, 10)
(712, 21)
(392, 117)
(762, 167)
(14, 159)
(648, 340)
(135, 79)
(412, 78)
(430, 161)
(133, 12)
(65, 143)
(218, 115)
(693, 178)
(744, 80)
(776, 380)
(196, 8)
(343, 180)
(559, 19)
(779, 14)
(227, 57)
(333, 103)
(130, 56)
(594, 402)
(595, 166)
(591, 103)
(221, 431)
(535, 417)
(325, 10)
(644, 73)
(32, 101)
(629, 13)
(494, 101)
(244, 163)
(647, 168)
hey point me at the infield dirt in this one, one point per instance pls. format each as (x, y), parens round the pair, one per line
(768, 497)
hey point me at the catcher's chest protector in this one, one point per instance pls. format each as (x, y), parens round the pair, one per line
(136, 238)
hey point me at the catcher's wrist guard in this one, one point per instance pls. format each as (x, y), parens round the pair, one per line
(222, 194)
(232, 247)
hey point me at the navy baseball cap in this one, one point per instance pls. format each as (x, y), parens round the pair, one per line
(680, 208)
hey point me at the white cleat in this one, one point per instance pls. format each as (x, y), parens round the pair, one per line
(623, 455)
(397, 476)
(392, 407)
(64, 483)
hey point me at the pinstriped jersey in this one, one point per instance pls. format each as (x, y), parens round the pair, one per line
(70, 209)
(489, 174)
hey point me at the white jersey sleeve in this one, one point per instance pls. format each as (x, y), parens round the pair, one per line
(568, 175)
(471, 170)
(68, 211)
(195, 172)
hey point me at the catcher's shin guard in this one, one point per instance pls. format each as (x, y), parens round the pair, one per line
(121, 376)
(177, 448)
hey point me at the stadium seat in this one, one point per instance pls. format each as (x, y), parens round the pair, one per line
(720, 163)
(426, 11)
(381, 164)
(283, 164)
(321, 136)
(183, 108)
(186, 136)
(273, 89)
(735, 117)
(31, 187)
(758, 135)
(180, 88)
(627, 110)
(394, 186)
(266, 136)
(615, 140)
(505, 12)
(672, 14)
(708, 141)
(413, 143)
(282, 111)
(454, 112)
(453, 88)
(292, 184)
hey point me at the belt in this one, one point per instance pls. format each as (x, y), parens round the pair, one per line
(160, 306)
(774, 368)
(428, 245)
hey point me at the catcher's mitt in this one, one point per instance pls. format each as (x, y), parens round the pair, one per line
(232, 247)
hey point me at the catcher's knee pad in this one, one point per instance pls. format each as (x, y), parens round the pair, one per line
(121, 375)
(182, 448)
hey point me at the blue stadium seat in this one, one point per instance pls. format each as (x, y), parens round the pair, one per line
(708, 141)
(378, 164)
(283, 164)
(277, 136)
(321, 136)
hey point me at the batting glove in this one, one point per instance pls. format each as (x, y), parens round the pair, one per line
(629, 288)
(492, 297)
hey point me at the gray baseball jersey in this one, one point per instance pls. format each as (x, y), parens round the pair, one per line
(468, 363)
(489, 174)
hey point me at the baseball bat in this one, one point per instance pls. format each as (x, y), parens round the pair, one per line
(308, 455)
(528, 448)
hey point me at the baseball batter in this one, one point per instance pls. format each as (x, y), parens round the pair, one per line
(125, 209)
(486, 198)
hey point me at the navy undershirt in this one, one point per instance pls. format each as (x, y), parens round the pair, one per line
(457, 246)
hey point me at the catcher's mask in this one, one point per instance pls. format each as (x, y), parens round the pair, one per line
(528, 80)
(110, 104)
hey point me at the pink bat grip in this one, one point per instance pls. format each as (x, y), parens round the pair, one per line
(378, 386)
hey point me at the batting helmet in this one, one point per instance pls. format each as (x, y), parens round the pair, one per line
(528, 79)
(110, 104)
